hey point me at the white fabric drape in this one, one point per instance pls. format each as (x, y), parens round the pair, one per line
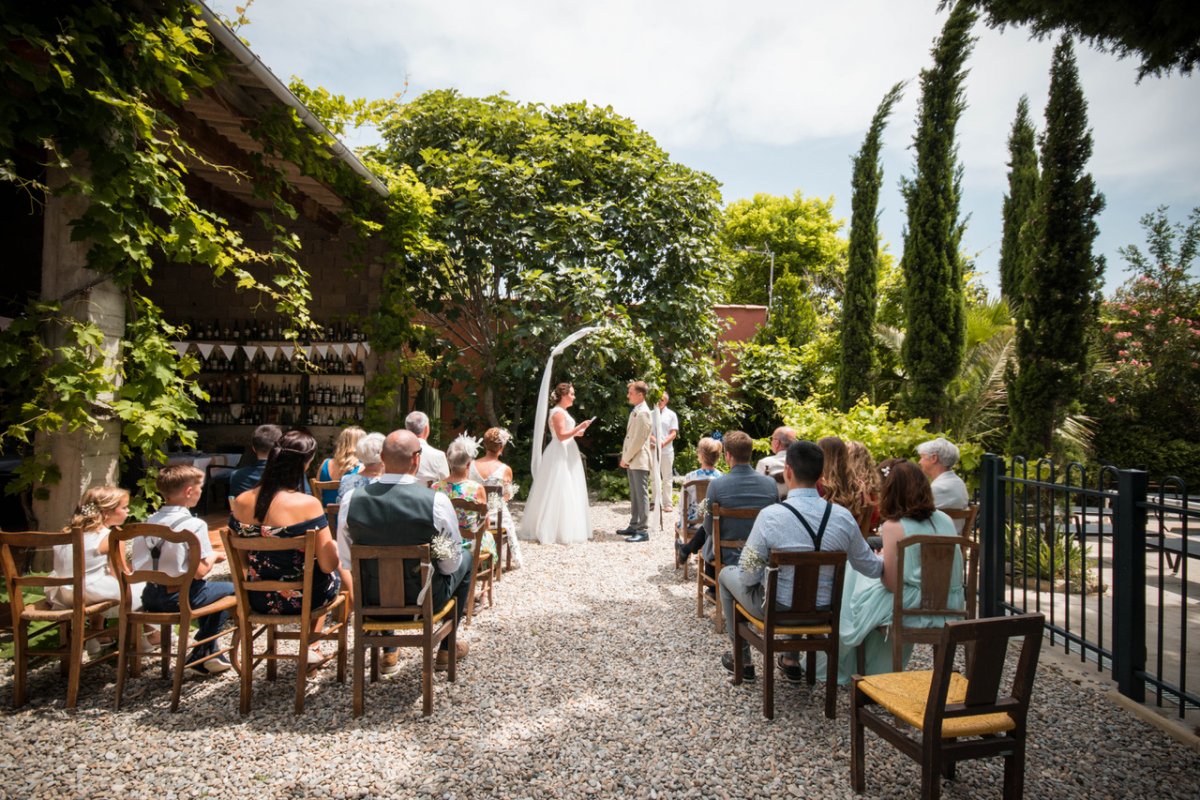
(539, 423)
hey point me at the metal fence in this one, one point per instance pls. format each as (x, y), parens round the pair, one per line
(1106, 559)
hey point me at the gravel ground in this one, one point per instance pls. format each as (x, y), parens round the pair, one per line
(592, 676)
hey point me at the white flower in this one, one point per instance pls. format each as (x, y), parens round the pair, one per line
(442, 547)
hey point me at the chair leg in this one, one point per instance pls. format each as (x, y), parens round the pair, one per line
(122, 659)
(810, 668)
(301, 669)
(360, 654)
(164, 650)
(831, 675)
(374, 664)
(181, 654)
(857, 741)
(343, 640)
(931, 774)
(470, 605)
(20, 661)
(700, 587)
(427, 678)
(273, 649)
(452, 653)
(1014, 772)
(768, 684)
(75, 667)
(246, 653)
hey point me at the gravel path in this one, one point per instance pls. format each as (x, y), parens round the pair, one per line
(592, 676)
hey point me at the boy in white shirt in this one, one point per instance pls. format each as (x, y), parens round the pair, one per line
(181, 486)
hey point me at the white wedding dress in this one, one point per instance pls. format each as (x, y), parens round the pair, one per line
(557, 511)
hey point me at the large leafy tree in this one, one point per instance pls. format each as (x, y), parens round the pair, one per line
(549, 218)
(932, 265)
(861, 298)
(1165, 33)
(1058, 300)
(1018, 203)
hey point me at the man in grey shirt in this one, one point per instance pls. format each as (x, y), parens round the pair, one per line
(779, 528)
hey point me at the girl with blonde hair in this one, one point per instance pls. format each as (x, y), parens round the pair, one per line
(344, 461)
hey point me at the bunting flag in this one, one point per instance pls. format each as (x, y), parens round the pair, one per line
(288, 350)
(205, 349)
(347, 351)
(366, 348)
(251, 350)
(228, 350)
(312, 351)
(270, 351)
(181, 348)
(320, 350)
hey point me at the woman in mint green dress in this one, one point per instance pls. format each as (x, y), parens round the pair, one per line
(906, 506)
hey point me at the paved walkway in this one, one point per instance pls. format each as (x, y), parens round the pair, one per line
(591, 677)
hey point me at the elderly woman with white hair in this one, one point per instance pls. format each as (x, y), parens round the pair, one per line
(368, 450)
(459, 486)
(938, 458)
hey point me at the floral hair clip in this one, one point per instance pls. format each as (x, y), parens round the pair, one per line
(469, 442)
(89, 509)
(886, 471)
(504, 436)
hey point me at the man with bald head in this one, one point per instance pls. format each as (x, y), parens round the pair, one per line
(399, 510)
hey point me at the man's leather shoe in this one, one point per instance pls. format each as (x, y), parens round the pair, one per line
(442, 661)
(626, 532)
(747, 666)
(641, 536)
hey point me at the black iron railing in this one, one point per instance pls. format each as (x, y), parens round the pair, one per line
(1085, 550)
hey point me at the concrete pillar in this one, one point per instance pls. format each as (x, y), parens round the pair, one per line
(83, 459)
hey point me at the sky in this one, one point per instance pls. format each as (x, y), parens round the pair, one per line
(765, 95)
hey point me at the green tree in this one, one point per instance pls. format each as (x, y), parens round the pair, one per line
(932, 265)
(801, 232)
(1165, 33)
(1145, 399)
(1058, 299)
(1019, 203)
(549, 218)
(861, 298)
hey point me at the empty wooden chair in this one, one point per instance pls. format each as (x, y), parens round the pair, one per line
(239, 548)
(385, 617)
(703, 581)
(692, 495)
(955, 716)
(804, 627)
(128, 639)
(320, 487)
(30, 619)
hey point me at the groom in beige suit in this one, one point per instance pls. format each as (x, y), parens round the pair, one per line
(635, 459)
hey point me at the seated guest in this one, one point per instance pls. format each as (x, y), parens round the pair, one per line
(707, 452)
(865, 476)
(938, 458)
(245, 478)
(399, 510)
(275, 507)
(772, 465)
(741, 487)
(180, 486)
(802, 522)
(343, 462)
(459, 486)
(837, 483)
(906, 504)
(368, 451)
(489, 470)
(433, 465)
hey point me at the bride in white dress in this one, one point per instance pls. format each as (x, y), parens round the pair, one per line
(557, 510)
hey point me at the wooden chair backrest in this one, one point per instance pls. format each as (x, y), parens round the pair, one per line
(938, 554)
(990, 638)
(699, 487)
(331, 515)
(36, 540)
(323, 486)
(475, 534)
(720, 512)
(496, 490)
(238, 548)
(127, 576)
(967, 515)
(390, 563)
(807, 566)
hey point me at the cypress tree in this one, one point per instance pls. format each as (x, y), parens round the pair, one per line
(934, 305)
(861, 296)
(1059, 293)
(1018, 204)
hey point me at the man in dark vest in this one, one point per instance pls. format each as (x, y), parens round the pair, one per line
(399, 510)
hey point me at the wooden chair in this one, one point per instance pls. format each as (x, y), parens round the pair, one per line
(374, 623)
(499, 531)
(957, 717)
(238, 549)
(70, 622)
(699, 487)
(718, 512)
(967, 516)
(131, 620)
(484, 568)
(323, 486)
(804, 627)
(331, 516)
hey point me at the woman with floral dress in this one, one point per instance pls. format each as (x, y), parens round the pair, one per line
(458, 486)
